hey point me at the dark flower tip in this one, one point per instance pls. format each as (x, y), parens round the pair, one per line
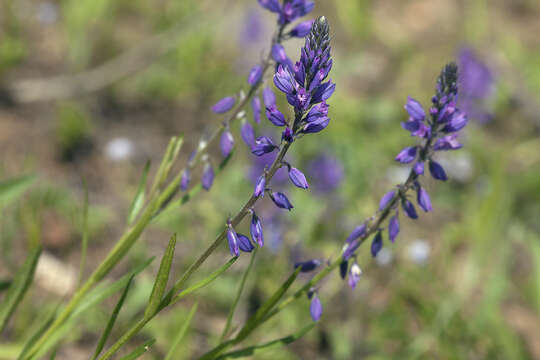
(307, 266)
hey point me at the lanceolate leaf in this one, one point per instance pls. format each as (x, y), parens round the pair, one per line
(20, 285)
(161, 279)
(181, 333)
(139, 350)
(138, 200)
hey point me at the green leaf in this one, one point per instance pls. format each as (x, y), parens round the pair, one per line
(181, 333)
(161, 279)
(139, 350)
(84, 241)
(112, 320)
(11, 189)
(138, 200)
(39, 331)
(20, 285)
(257, 349)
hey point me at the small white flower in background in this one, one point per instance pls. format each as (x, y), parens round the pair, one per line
(384, 257)
(418, 251)
(47, 13)
(119, 148)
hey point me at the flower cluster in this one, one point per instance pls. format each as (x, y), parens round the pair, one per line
(289, 10)
(437, 131)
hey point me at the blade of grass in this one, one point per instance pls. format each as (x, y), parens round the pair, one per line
(161, 279)
(138, 200)
(181, 333)
(40, 330)
(84, 242)
(141, 349)
(11, 189)
(257, 349)
(238, 295)
(20, 285)
(112, 320)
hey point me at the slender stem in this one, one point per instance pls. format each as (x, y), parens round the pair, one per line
(238, 295)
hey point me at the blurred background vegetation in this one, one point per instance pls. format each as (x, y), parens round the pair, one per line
(462, 282)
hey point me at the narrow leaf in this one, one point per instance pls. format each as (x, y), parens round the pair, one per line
(257, 349)
(84, 242)
(112, 320)
(161, 279)
(141, 349)
(20, 285)
(11, 189)
(40, 330)
(138, 200)
(181, 333)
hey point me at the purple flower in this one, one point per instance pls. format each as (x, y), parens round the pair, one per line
(275, 116)
(256, 230)
(224, 105)
(350, 248)
(423, 200)
(317, 112)
(315, 308)
(280, 56)
(281, 200)
(323, 92)
(207, 176)
(292, 10)
(457, 122)
(354, 275)
(325, 172)
(248, 134)
(263, 145)
(358, 231)
(409, 209)
(307, 266)
(407, 155)
(284, 80)
(269, 98)
(233, 241)
(184, 181)
(298, 178)
(385, 200)
(272, 5)
(287, 135)
(417, 128)
(255, 75)
(437, 171)
(393, 228)
(259, 186)
(226, 143)
(419, 168)
(256, 107)
(343, 267)
(376, 244)
(448, 142)
(244, 244)
(415, 109)
(302, 29)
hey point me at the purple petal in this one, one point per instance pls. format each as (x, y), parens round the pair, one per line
(409, 209)
(385, 200)
(244, 244)
(307, 266)
(393, 228)
(226, 143)
(275, 116)
(358, 231)
(407, 155)
(233, 242)
(184, 181)
(422, 197)
(256, 107)
(415, 109)
(376, 244)
(298, 178)
(315, 308)
(207, 176)
(281, 200)
(448, 142)
(354, 275)
(263, 145)
(248, 134)
(419, 168)
(256, 230)
(224, 105)
(269, 98)
(259, 186)
(255, 75)
(437, 171)
(272, 5)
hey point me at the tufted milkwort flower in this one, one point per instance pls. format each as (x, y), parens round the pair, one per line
(288, 10)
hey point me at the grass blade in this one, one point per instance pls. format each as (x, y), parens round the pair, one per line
(11, 189)
(161, 279)
(112, 320)
(139, 350)
(138, 200)
(20, 285)
(84, 242)
(40, 330)
(181, 333)
(257, 349)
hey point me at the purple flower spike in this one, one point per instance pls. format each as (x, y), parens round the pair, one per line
(255, 75)
(281, 200)
(256, 107)
(244, 244)
(224, 105)
(409, 209)
(275, 116)
(422, 197)
(302, 29)
(354, 275)
(233, 241)
(407, 155)
(184, 181)
(458, 121)
(419, 168)
(437, 171)
(315, 308)
(307, 266)
(248, 134)
(256, 230)
(207, 176)
(298, 178)
(358, 231)
(226, 143)
(263, 145)
(386, 199)
(415, 109)
(448, 142)
(259, 186)
(343, 267)
(269, 98)
(393, 228)
(376, 244)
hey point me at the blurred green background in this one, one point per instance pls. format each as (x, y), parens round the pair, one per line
(462, 282)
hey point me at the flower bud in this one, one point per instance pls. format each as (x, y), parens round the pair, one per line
(256, 230)
(224, 105)
(281, 200)
(298, 178)
(207, 176)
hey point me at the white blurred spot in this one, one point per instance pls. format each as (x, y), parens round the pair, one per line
(119, 149)
(398, 174)
(384, 257)
(419, 251)
(54, 275)
(458, 165)
(47, 13)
